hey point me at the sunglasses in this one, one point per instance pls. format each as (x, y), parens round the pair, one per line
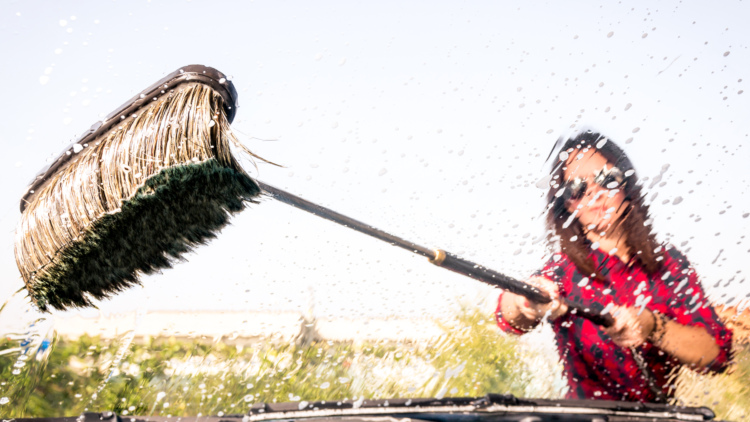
(610, 179)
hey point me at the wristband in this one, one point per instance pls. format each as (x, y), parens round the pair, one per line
(660, 328)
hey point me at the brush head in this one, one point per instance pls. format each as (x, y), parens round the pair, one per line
(137, 191)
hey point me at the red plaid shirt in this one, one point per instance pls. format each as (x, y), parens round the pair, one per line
(596, 367)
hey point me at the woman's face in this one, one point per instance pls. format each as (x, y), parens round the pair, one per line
(597, 206)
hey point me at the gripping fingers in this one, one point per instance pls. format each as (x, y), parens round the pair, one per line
(537, 311)
(561, 308)
(530, 309)
(627, 330)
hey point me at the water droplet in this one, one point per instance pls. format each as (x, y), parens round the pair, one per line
(77, 148)
(303, 404)
(544, 182)
(601, 143)
(325, 385)
(570, 219)
(160, 395)
(636, 129)
(211, 123)
(564, 156)
(610, 34)
(4, 400)
(382, 172)
(222, 80)
(726, 53)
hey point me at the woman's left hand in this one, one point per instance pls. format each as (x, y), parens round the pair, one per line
(632, 326)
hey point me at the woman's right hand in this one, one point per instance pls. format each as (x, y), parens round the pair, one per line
(536, 311)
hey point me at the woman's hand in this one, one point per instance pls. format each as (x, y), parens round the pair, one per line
(536, 311)
(632, 326)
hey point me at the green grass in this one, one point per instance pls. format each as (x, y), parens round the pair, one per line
(168, 377)
(164, 376)
(727, 394)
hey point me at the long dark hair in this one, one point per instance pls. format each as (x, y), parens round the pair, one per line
(634, 224)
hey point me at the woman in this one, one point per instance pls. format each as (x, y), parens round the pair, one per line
(610, 261)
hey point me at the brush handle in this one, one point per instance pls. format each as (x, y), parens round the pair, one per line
(477, 272)
(436, 256)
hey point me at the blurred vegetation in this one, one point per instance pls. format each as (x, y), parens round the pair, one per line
(165, 376)
(727, 394)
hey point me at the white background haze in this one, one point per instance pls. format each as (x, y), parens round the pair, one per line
(431, 120)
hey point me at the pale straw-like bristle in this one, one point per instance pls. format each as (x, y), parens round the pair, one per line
(187, 126)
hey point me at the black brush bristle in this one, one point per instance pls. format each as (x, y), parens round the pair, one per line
(175, 210)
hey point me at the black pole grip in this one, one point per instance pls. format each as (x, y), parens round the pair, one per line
(470, 269)
(451, 262)
(604, 320)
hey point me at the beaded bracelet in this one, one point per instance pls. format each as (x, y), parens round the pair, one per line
(660, 328)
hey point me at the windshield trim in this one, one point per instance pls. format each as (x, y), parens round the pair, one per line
(547, 409)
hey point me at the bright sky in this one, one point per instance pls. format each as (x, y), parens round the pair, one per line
(430, 120)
